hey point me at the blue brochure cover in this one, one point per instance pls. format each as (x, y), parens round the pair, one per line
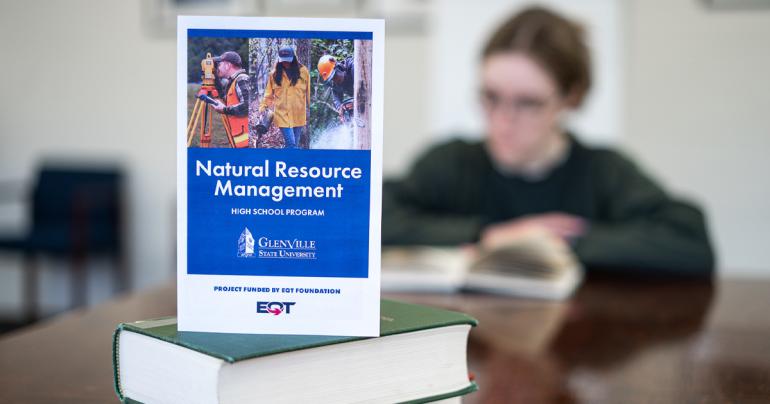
(279, 151)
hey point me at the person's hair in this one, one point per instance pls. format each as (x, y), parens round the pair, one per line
(292, 72)
(554, 42)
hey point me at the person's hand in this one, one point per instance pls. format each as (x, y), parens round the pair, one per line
(341, 113)
(556, 224)
(218, 106)
(348, 106)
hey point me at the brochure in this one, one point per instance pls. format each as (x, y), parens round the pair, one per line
(279, 152)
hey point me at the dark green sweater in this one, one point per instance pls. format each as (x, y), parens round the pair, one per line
(454, 191)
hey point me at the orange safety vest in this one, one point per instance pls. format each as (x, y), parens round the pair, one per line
(237, 126)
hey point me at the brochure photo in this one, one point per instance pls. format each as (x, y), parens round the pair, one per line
(279, 151)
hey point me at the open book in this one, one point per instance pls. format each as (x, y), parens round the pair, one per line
(534, 265)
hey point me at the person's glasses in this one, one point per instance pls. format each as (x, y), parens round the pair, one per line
(528, 106)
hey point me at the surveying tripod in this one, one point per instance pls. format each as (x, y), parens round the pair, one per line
(203, 101)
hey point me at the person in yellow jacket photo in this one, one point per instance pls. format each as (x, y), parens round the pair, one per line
(288, 94)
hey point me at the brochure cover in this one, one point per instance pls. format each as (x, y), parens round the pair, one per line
(279, 151)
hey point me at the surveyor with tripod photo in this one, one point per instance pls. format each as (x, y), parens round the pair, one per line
(235, 108)
(218, 104)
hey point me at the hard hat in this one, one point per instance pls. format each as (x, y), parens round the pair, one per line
(326, 67)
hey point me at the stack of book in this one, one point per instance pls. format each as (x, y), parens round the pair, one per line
(419, 357)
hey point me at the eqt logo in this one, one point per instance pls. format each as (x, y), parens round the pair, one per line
(274, 308)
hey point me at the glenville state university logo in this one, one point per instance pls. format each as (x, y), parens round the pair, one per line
(274, 308)
(246, 244)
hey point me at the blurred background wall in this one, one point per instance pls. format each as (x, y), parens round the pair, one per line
(681, 86)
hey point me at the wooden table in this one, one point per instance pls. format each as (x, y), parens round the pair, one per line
(615, 341)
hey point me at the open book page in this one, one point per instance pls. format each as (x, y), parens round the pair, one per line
(534, 254)
(535, 265)
(424, 269)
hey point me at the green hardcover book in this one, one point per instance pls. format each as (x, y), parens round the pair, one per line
(419, 357)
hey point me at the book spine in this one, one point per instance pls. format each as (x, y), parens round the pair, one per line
(115, 359)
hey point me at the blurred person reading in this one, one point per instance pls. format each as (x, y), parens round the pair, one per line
(530, 173)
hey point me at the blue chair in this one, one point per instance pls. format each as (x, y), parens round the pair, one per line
(76, 213)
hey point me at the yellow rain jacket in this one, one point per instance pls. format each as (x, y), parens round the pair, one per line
(290, 103)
